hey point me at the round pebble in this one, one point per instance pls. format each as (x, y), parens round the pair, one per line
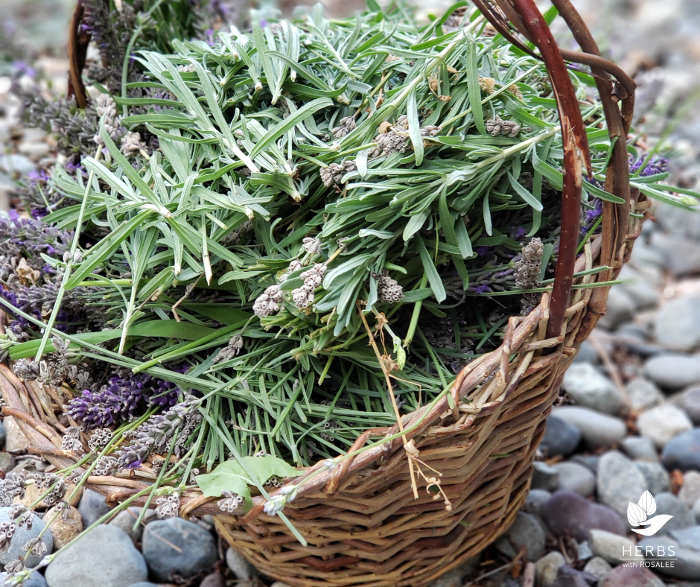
(619, 481)
(656, 477)
(65, 524)
(588, 387)
(598, 567)
(631, 576)
(683, 451)
(239, 565)
(575, 477)
(662, 423)
(673, 371)
(527, 532)
(690, 490)
(176, 547)
(642, 394)
(640, 448)
(598, 430)
(569, 514)
(677, 324)
(104, 556)
(547, 568)
(92, 507)
(560, 438)
(690, 402)
(16, 549)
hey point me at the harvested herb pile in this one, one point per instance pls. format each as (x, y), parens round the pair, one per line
(257, 207)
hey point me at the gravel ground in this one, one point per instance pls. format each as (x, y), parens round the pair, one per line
(630, 421)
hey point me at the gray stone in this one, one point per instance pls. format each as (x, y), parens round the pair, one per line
(667, 503)
(104, 556)
(598, 567)
(544, 476)
(176, 547)
(22, 536)
(613, 547)
(7, 462)
(18, 165)
(656, 477)
(144, 584)
(575, 477)
(640, 448)
(662, 423)
(570, 577)
(547, 567)
(683, 451)
(560, 438)
(583, 551)
(687, 537)
(588, 461)
(619, 481)
(598, 430)
(126, 519)
(527, 532)
(586, 353)
(535, 499)
(673, 371)
(92, 507)
(690, 402)
(643, 294)
(35, 579)
(65, 524)
(696, 511)
(239, 566)
(690, 491)
(631, 576)
(590, 388)
(678, 562)
(569, 514)
(642, 394)
(678, 264)
(620, 308)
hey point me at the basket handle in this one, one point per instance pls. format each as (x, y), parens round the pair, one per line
(510, 17)
(78, 41)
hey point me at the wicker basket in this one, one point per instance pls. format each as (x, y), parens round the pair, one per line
(362, 522)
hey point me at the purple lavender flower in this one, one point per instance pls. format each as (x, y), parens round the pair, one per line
(657, 164)
(21, 68)
(591, 216)
(483, 251)
(125, 396)
(482, 288)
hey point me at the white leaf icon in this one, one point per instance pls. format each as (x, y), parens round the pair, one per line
(653, 525)
(647, 503)
(636, 515)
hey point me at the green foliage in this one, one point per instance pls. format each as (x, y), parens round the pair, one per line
(236, 477)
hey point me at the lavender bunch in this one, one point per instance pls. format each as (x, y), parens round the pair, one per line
(156, 434)
(125, 396)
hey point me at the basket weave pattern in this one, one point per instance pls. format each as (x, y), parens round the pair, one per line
(361, 520)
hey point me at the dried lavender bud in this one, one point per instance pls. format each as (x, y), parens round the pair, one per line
(497, 126)
(99, 439)
(303, 296)
(332, 174)
(527, 267)
(231, 350)
(156, 434)
(126, 395)
(10, 487)
(71, 441)
(345, 126)
(389, 289)
(394, 140)
(104, 466)
(230, 502)
(314, 276)
(14, 567)
(268, 302)
(36, 546)
(132, 143)
(168, 506)
(7, 531)
(311, 245)
(294, 265)
(26, 369)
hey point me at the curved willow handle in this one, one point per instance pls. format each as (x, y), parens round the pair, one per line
(510, 17)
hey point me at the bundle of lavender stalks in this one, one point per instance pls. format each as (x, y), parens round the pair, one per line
(276, 238)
